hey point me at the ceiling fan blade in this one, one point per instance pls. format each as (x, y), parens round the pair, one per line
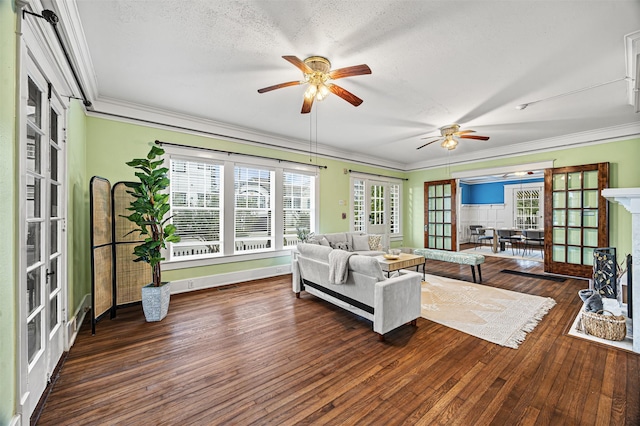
(480, 138)
(428, 143)
(350, 71)
(345, 94)
(464, 132)
(298, 63)
(280, 86)
(307, 104)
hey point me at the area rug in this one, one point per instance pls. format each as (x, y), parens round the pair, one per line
(499, 316)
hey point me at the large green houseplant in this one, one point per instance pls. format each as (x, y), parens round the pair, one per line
(150, 207)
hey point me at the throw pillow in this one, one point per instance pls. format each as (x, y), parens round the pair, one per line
(324, 242)
(374, 241)
(342, 245)
(361, 243)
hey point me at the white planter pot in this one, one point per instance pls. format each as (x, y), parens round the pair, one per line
(155, 301)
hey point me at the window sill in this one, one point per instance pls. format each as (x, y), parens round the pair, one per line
(218, 260)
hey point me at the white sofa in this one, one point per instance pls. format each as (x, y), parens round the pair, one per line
(357, 242)
(388, 302)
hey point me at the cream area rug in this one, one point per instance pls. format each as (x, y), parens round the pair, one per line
(499, 316)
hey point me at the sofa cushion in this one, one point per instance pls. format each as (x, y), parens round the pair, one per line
(324, 242)
(360, 242)
(374, 241)
(338, 237)
(315, 251)
(366, 265)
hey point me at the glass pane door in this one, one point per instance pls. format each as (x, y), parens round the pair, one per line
(576, 218)
(378, 210)
(440, 215)
(42, 257)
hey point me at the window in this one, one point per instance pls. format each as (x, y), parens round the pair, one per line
(527, 209)
(196, 202)
(222, 208)
(377, 206)
(253, 209)
(358, 205)
(298, 205)
(394, 207)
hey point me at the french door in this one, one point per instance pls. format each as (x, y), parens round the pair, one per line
(440, 220)
(376, 208)
(576, 218)
(42, 254)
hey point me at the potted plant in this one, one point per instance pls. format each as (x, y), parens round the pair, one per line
(149, 208)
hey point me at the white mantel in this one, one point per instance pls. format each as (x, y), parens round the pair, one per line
(630, 199)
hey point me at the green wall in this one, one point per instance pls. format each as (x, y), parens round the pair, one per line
(110, 144)
(623, 173)
(78, 240)
(8, 259)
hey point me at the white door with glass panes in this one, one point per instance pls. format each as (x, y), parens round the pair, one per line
(42, 242)
(376, 208)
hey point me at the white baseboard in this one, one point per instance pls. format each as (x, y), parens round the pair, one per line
(75, 322)
(200, 283)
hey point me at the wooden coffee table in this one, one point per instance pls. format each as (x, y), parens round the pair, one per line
(405, 261)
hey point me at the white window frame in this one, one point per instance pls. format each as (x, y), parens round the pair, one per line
(229, 162)
(356, 192)
(292, 239)
(184, 243)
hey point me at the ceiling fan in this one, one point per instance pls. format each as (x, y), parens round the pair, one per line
(450, 134)
(318, 75)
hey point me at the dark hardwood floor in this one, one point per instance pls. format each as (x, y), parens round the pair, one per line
(254, 354)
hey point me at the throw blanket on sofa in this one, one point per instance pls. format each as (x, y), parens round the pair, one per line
(339, 266)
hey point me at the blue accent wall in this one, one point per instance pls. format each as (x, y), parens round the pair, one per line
(489, 193)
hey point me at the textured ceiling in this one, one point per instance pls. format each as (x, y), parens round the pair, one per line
(433, 63)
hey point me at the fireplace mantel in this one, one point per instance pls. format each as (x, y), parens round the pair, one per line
(630, 199)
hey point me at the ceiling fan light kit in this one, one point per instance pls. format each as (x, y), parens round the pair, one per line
(451, 133)
(317, 74)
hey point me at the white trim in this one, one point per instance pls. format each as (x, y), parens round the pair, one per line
(502, 170)
(116, 110)
(75, 322)
(632, 62)
(509, 216)
(210, 281)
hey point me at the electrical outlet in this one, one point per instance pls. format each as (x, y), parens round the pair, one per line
(190, 284)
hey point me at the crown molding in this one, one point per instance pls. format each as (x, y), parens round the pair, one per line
(157, 118)
(71, 27)
(42, 45)
(591, 137)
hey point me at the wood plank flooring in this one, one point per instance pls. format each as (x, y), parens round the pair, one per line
(254, 354)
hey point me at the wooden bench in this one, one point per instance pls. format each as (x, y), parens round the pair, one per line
(471, 259)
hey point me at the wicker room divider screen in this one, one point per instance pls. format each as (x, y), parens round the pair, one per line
(101, 249)
(129, 276)
(116, 280)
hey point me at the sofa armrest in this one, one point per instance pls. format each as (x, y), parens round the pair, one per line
(397, 301)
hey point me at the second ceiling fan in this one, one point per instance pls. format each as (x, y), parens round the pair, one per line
(317, 74)
(450, 134)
